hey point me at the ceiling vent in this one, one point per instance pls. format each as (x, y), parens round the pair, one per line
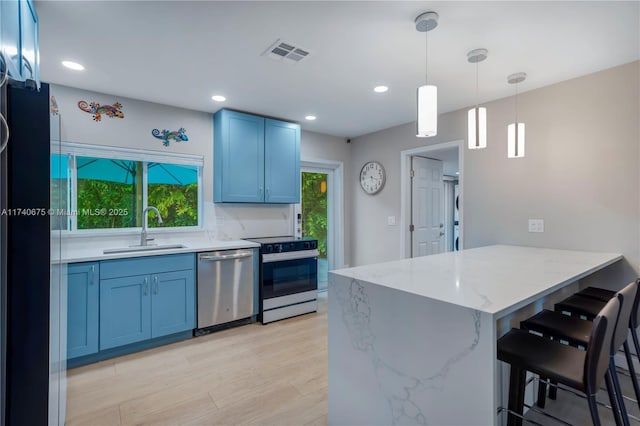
(285, 52)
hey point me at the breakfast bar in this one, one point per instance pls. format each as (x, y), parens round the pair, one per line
(413, 341)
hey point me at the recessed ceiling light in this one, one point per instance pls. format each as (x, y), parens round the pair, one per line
(73, 65)
(218, 98)
(457, 173)
(310, 117)
(380, 89)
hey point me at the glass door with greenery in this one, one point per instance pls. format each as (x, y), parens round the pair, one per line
(315, 218)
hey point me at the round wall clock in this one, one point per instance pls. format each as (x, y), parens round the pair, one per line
(372, 177)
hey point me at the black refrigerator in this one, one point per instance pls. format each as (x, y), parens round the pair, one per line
(24, 254)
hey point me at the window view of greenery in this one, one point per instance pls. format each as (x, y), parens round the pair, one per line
(173, 189)
(109, 193)
(59, 192)
(314, 216)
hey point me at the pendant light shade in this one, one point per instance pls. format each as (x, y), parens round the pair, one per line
(477, 117)
(427, 111)
(516, 130)
(427, 95)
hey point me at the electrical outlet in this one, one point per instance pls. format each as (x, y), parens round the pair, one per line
(536, 225)
(391, 220)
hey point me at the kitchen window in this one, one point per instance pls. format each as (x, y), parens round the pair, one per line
(106, 188)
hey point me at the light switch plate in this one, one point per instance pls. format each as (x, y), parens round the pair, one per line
(391, 220)
(536, 225)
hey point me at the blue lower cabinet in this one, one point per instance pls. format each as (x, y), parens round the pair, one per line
(83, 296)
(125, 310)
(173, 302)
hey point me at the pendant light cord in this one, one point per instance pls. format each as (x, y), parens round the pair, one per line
(426, 57)
(477, 103)
(516, 106)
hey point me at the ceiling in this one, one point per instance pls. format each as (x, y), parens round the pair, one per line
(181, 53)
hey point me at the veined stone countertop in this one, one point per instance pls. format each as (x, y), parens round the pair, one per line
(84, 249)
(495, 279)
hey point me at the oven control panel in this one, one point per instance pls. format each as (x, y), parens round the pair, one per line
(290, 246)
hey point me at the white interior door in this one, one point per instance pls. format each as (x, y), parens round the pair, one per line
(427, 207)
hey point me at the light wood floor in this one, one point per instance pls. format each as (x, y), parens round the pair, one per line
(253, 374)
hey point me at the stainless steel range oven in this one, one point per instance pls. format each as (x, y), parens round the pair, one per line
(288, 278)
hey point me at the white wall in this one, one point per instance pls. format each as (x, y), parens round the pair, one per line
(134, 131)
(580, 173)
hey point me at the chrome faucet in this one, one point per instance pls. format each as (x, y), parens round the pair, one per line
(143, 235)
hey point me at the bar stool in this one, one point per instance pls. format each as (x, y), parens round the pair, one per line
(604, 295)
(589, 301)
(576, 332)
(581, 370)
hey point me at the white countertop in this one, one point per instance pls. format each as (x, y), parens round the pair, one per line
(495, 279)
(73, 250)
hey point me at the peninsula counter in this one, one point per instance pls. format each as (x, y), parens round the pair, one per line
(413, 341)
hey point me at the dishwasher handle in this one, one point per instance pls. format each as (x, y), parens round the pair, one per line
(225, 256)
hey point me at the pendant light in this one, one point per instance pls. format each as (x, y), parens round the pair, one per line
(427, 96)
(515, 131)
(477, 117)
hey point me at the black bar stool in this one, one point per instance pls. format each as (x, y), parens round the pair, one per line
(576, 332)
(604, 295)
(597, 293)
(589, 301)
(581, 370)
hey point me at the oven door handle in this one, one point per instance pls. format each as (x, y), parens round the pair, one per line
(292, 255)
(225, 256)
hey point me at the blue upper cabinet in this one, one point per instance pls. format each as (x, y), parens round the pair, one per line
(19, 39)
(83, 295)
(256, 160)
(238, 157)
(282, 162)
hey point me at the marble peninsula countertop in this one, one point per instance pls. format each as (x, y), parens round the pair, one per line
(85, 249)
(495, 279)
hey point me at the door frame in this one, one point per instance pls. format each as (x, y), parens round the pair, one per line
(335, 211)
(405, 194)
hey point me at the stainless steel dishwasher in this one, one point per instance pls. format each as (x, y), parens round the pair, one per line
(225, 287)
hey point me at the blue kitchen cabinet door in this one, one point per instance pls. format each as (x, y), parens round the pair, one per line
(173, 302)
(10, 34)
(282, 162)
(125, 310)
(29, 40)
(83, 296)
(238, 157)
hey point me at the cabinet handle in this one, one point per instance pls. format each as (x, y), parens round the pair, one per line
(268, 193)
(155, 283)
(145, 287)
(260, 191)
(93, 275)
(5, 75)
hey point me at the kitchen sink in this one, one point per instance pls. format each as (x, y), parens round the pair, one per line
(134, 249)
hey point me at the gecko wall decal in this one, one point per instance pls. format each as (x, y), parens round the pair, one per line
(166, 136)
(97, 110)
